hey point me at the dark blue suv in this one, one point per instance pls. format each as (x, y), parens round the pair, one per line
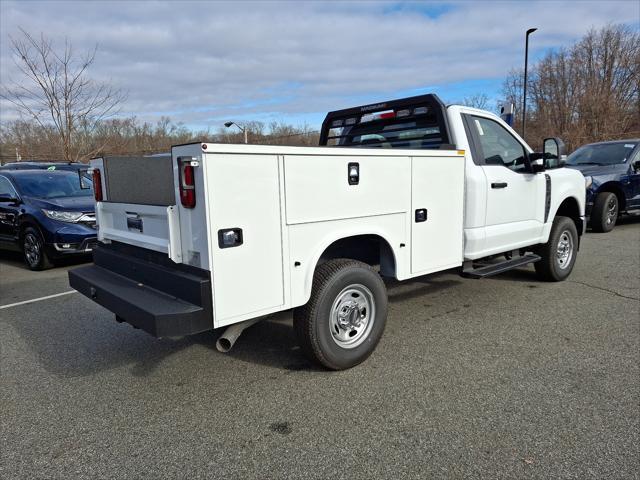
(612, 174)
(46, 215)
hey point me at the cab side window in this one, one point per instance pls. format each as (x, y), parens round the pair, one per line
(498, 146)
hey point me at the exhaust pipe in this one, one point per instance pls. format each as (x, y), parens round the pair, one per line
(231, 334)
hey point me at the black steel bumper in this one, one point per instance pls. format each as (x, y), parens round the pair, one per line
(147, 290)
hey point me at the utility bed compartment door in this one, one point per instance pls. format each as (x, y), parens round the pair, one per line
(437, 199)
(318, 186)
(243, 194)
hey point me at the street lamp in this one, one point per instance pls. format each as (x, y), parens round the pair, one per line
(524, 93)
(242, 128)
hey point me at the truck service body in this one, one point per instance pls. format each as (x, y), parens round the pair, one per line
(220, 234)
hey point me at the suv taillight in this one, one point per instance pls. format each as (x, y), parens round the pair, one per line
(187, 183)
(97, 185)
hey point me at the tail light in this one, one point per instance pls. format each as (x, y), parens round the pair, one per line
(187, 183)
(97, 185)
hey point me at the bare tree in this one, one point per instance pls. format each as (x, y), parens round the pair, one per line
(585, 93)
(130, 136)
(56, 90)
(477, 100)
(512, 90)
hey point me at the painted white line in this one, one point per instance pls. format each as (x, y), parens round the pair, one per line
(37, 299)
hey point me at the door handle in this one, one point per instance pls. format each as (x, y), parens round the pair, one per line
(499, 185)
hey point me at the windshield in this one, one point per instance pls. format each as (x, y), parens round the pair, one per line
(54, 185)
(602, 154)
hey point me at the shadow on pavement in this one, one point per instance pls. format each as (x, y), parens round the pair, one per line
(526, 274)
(75, 342)
(15, 259)
(76, 338)
(417, 287)
(12, 258)
(80, 340)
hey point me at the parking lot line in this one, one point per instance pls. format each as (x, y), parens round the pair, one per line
(36, 299)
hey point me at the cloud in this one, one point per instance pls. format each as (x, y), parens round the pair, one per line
(203, 62)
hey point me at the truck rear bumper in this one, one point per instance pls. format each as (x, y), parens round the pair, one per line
(146, 295)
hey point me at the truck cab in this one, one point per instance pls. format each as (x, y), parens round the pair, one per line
(510, 191)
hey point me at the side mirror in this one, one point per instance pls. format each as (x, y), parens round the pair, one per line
(554, 152)
(7, 198)
(636, 165)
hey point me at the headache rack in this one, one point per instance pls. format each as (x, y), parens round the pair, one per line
(414, 123)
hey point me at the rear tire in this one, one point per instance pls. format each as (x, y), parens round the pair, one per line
(345, 317)
(559, 253)
(605, 212)
(33, 251)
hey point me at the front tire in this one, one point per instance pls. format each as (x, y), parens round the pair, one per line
(33, 251)
(605, 212)
(559, 253)
(345, 317)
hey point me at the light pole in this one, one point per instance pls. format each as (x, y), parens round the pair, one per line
(524, 88)
(242, 128)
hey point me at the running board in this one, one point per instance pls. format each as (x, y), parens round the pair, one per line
(496, 268)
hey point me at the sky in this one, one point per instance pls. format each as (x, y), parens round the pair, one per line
(203, 63)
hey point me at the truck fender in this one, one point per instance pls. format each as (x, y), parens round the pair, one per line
(567, 206)
(328, 240)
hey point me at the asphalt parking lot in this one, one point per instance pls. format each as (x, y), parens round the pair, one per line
(497, 378)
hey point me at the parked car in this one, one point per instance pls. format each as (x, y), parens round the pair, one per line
(46, 215)
(612, 173)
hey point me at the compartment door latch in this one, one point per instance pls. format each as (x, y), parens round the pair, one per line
(353, 173)
(421, 215)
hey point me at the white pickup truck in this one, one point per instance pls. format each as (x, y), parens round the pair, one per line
(220, 235)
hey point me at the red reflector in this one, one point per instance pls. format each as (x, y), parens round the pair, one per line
(369, 117)
(97, 185)
(187, 184)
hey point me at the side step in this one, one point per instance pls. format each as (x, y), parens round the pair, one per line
(496, 268)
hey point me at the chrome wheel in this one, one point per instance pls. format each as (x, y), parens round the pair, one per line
(352, 316)
(564, 250)
(612, 210)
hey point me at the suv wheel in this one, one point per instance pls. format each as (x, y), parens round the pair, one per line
(33, 250)
(605, 212)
